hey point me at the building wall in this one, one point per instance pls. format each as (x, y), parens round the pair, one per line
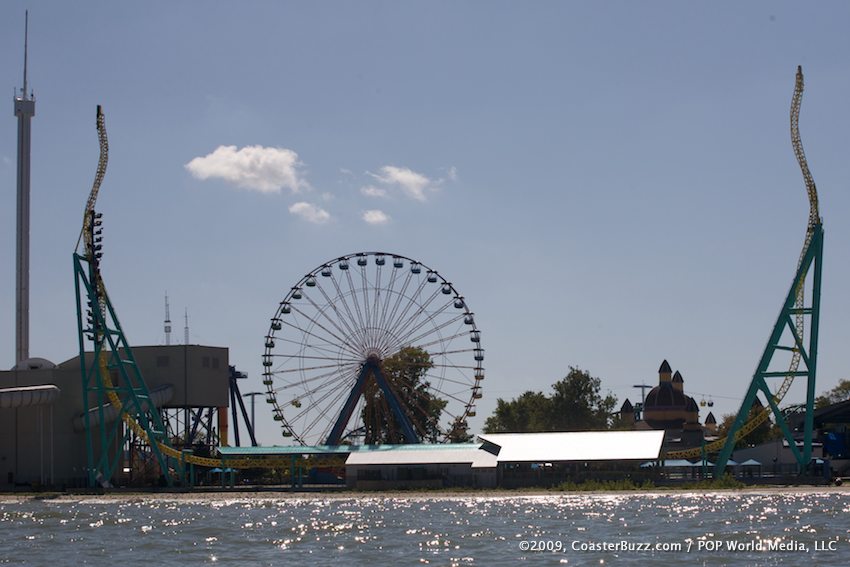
(199, 374)
(36, 441)
(30, 449)
(432, 475)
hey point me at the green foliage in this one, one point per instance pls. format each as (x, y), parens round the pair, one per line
(575, 404)
(405, 373)
(459, 432)
(765, 431)
(529, 412)
(726, 481)
(838, 394)
(605, 485)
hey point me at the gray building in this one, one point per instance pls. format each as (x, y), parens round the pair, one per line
(42, 440)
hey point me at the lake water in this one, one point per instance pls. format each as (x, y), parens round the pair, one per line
(720, 528)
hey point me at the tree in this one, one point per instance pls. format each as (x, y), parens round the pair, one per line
(459, 432)
(530, 412)
(575, 404)
(765, 431)
(405, 374)
(838, 394)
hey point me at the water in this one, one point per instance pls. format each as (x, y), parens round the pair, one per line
(572, 529)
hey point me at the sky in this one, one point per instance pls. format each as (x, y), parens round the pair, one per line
(609, 184)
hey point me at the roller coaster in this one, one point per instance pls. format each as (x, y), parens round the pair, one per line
(788, 335)
(111, 376)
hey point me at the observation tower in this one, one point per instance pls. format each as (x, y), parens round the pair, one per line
(24, 109)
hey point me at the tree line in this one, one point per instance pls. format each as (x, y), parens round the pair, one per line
(576, 403)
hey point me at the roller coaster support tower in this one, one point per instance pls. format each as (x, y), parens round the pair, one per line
(791, 325)
(111, 375)
(811, 264)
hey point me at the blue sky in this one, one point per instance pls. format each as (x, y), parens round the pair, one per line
(608, 183)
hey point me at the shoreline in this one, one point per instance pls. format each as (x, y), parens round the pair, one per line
(261, 495)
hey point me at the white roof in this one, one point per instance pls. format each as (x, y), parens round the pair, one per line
(577, 446)
(475, 456)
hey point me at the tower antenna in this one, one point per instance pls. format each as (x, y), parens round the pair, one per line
(26, 43)
(186, 328)
(167, 322)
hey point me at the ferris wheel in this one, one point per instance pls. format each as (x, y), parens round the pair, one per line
(373, 348)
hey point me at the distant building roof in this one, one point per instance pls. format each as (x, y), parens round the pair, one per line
(677, 377)
(576, 446)
(665, 367)
(627, 406)
(710, 418)
(833, 413)
(415, 455)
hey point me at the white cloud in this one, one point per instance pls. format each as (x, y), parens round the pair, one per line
(412, 183)
(452, 173)
(372, 191)
(375, 216)
(310, 213)
(267, 170)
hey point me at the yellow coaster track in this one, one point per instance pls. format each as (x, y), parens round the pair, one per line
(799, 317)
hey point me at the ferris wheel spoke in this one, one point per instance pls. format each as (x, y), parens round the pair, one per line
(291, 370)
(323, 313)
(299, 357)
(346, 321)
(448, 340)
(441, 379)
(448, 352)
(405, 339)
(376, 304)
(306, 332)
(324, 414)
(435, 329)
(316, 403)
(342, 341)
(353, 295)
(404, 320)
(455, 366)
(422, 316)
(303, 382)
(397, 318)
(385, 323)
(326, 379)
(357, 326)
(364, 288)
(388, 295)
(311, 346)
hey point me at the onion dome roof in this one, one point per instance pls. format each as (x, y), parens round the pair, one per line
(665, 396)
